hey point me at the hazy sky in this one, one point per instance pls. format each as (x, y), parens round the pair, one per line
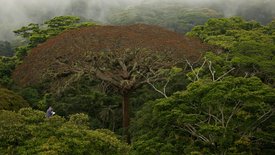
(16, 13)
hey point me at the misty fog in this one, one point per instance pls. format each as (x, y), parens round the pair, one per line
(17, 13)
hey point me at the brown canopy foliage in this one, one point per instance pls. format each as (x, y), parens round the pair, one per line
(71, 48)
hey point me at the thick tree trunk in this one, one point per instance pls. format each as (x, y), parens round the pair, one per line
(126, 118)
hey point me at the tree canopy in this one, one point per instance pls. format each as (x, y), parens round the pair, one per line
(249, 45)
(186, 97)
(29, 132)
(130, 57)
(229, 116)
(9, 100)
(39, 33)
(32, 35)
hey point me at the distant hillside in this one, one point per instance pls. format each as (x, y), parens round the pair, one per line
(177, 18)
(5, 48)
(167, 12)
(71, 48)
(182, 15)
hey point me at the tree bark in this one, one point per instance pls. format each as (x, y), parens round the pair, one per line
(126, 118)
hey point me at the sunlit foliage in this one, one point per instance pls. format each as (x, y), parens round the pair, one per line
(29, 132)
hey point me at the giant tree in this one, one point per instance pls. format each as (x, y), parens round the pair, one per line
(124, 70)
(124, 57)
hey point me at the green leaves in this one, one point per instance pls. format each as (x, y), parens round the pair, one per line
(250, 45)
(39, 33)
(9, 100)
(218, 117)
(12, 129)
(29, 132)
(7, 65)
(27, 31)
(62, 22)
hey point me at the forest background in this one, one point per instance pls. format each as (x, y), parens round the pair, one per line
(220, 103)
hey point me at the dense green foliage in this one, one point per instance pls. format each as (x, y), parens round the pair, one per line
(29, 132)
(227, 108)
(10, 100)
(85, 96)
(250, 46)
(7, 65)
(208, 118)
